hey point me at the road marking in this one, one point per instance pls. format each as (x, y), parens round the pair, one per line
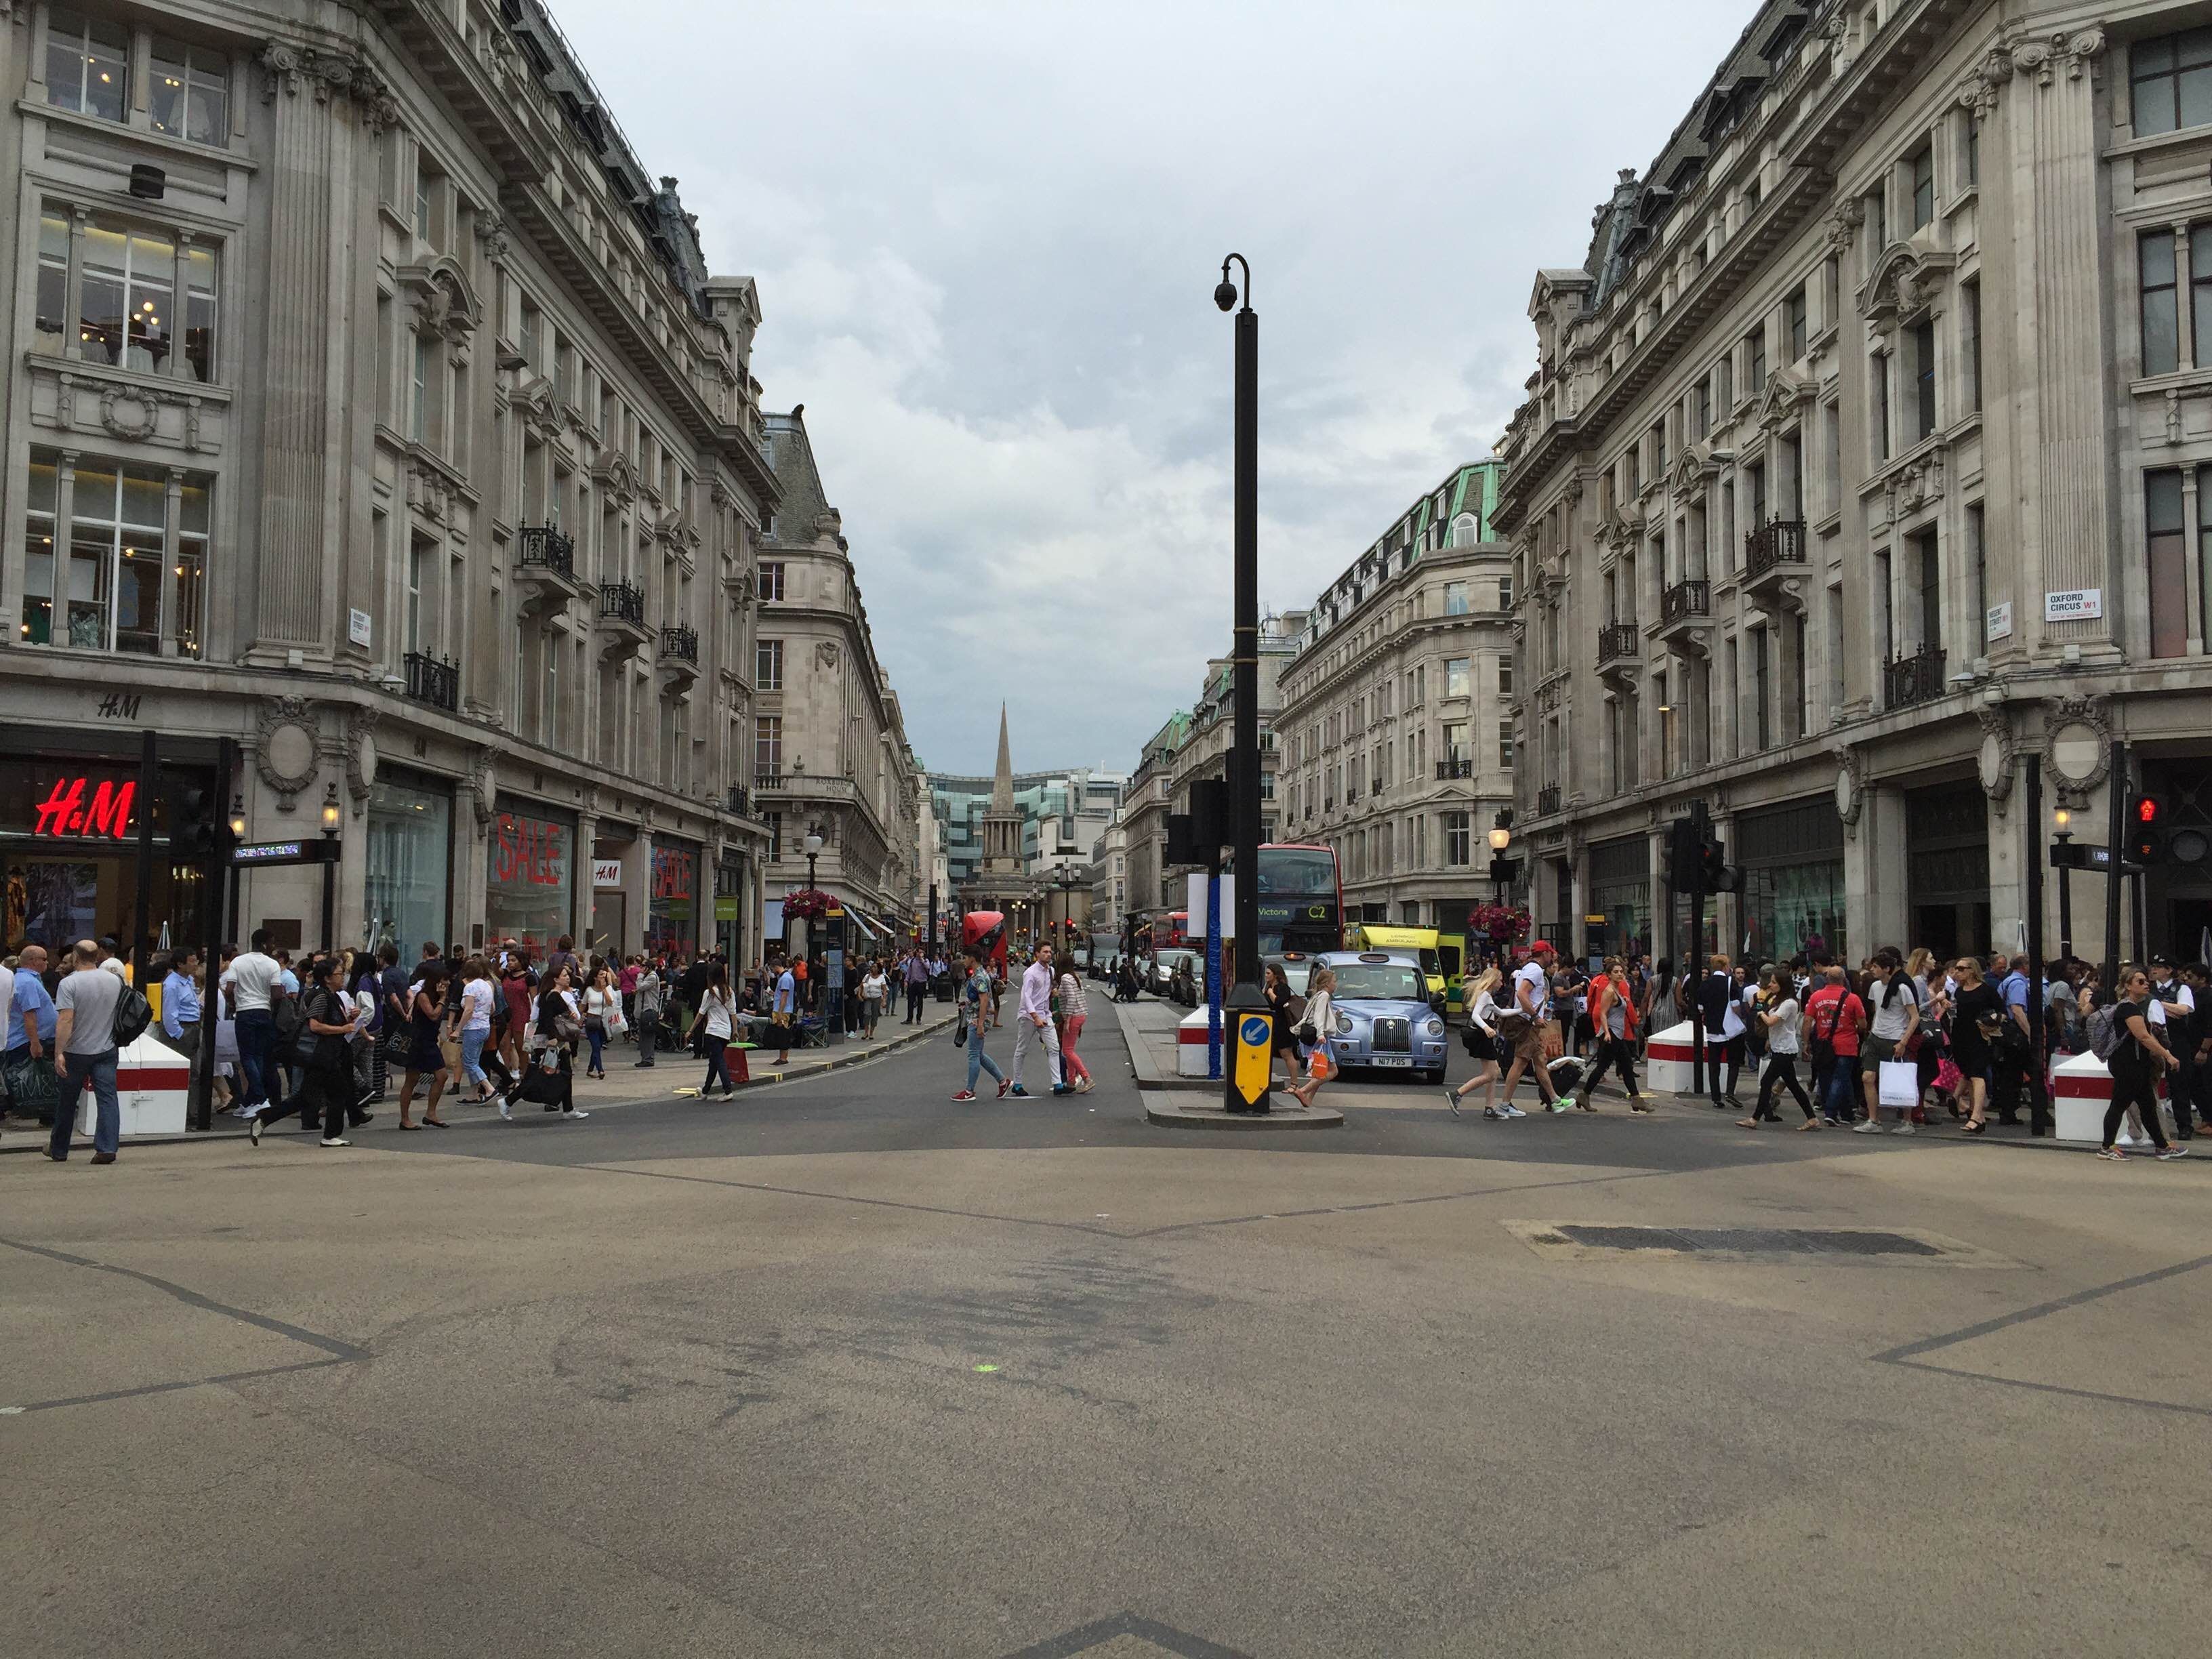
(983, 1368)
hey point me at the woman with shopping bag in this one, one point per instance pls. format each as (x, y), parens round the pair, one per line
(1890, 1082)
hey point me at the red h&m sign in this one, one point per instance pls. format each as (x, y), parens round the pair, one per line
(529, 851)
(66, 810)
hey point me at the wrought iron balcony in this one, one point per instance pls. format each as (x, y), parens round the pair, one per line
(1685, 600)
(434, 680)
(1547, 800)
(680, 643)
(548, 547)
(1455, 768)
(1916, 676)
(1777, 545)
(623, 602)
(1618, 641)
(739, 802)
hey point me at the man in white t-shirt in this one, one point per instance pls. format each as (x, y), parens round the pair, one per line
(1524, 1022)
(248, 986)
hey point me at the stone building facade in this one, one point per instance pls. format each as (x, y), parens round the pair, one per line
(372, 407)
(829, 745)
(1396, 722)
(1864, 460)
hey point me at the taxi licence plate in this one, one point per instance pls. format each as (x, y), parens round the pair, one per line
(1405, 1060)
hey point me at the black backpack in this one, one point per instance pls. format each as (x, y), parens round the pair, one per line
(133, 1014)
(290, 1016)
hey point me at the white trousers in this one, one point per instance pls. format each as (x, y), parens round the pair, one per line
(1027, 1033)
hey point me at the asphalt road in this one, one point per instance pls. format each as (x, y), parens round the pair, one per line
(843, 1368)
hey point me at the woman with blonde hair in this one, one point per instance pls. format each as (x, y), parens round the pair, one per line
(1480, 1040)
(1320, 1019)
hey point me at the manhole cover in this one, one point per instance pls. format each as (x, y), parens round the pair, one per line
(1575, 1241)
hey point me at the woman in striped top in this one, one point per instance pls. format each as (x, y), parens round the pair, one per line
(1074, 1008)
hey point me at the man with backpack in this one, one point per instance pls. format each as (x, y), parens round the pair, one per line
(85, 1030)
(1835, 1017)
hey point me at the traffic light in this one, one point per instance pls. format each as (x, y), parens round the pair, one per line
(1684, 853)
(2146, 829)
(1714, 875)
(195, 824)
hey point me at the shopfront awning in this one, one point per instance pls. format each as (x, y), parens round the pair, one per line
(867, 924)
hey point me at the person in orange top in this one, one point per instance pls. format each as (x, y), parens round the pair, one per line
(1612, 1017)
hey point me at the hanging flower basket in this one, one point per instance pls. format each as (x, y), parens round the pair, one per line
(806, 903)
(1505, 924)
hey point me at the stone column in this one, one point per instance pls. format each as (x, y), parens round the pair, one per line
(582, 891)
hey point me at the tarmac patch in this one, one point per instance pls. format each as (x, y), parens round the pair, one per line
(1573, 1241)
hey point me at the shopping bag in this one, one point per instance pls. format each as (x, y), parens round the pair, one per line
(33, 1087)
(1553, 1043)
(1900, 1083)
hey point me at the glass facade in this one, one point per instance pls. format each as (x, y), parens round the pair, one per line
(1619, 890)
(408, 898)
(1791, 886)
(530, 886)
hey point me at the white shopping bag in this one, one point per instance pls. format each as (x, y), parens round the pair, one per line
(1900, 1083)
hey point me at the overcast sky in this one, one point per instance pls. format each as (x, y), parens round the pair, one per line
(986, 237)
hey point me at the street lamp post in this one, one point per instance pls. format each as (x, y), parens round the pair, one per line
(813, 846)
(330, 867)
(1245, 1087)
(2062, 832)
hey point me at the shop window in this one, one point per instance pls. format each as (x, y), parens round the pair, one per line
(191, 92)
(87, 65)
(98, 577)
(2170, 81)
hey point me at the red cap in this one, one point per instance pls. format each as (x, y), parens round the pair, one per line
(1541, 947)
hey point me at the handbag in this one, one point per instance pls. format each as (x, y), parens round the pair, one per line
(960, 1034)
(1899, 1083)
(34, 1086)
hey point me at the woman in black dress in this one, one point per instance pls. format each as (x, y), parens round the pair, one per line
(2135, 1065)
(549, 1071)
(1976, 1012)
(426, 1008)
(326, 1090)
(1278, 992)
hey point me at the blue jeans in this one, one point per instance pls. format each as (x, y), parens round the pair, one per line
(1839, 1101)
(718, 1069)
(256, 1035)
(77, 1070)
(472, 1047)
(978, 1062)
(597, 1036)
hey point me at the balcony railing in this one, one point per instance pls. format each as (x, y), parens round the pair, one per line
(739, 802)
(1547, 800)
(681, 643)
(1772, 545)
(1689, 599)
(1915, 677)
(1618, 640)
(767, 783)
(434, 680)
(623, 602)
(548, 547)
(1455, 768)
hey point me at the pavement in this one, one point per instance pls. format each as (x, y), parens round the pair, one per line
(843, 1368)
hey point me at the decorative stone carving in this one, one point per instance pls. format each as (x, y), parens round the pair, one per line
(540, 408)
(1920, 485)
(144, 418)
(1778, 404)
(1851, 786)
(1843, 227)
(481, 788)
(284, 741)
(1998, 754)
(287, 68)
(825, 654)
(2077, 743)
(491, 234)
(2174, 415)
(360, 756)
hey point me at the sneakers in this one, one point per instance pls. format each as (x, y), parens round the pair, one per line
(329, 1141)
(1002, 1088)
(1904, 1128)
(575, 1117)
(1084, 1087)
(1491, 1112)
(1059, 1089)
(1451, 1100)
(1563, 1103)
(1020, 1093)
(2111, 1154)
(2167, 1154)
(1511, 1111)
(1871, 1126)
(965, 1094)
(253, 1131)
(506, 1109)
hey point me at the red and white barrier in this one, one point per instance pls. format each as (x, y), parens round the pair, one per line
(153, 1084)
(2081, 1091)
(1669, 1058)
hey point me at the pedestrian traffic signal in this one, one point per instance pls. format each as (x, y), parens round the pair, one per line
(2146, 829)
(194, 825)
(1714, 875)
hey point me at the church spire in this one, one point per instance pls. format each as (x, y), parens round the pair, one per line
(1002, 781)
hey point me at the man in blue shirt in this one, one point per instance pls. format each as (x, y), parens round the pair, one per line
(180, 1008)
(785, 1012)
(30, 1020)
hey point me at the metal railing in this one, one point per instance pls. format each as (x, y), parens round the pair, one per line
(739, 801)
(548, 547)
(1455, 768)
(1685, 598)
(1618, 640)
(1547, 800)
(1780, 542)
(680, 642)
(434, 680)
(623, 602)
(1916, 676)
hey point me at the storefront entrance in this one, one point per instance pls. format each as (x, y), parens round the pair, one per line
(408, 899)
(1947, 867)
(1791, 861)
(672, 923)
(68, 856)
(529, 889)
(1620, 890)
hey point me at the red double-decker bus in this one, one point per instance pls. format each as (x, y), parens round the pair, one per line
(1301, 899)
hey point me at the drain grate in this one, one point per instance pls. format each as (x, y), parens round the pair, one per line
(1583, 1240)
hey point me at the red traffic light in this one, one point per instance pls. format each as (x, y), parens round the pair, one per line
(2146, 831)
(2148, 809)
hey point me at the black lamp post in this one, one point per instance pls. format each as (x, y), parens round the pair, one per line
(813, 846)
(331, 816)
(1244, 999)
(2062, 833)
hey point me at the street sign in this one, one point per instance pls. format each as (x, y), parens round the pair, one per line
(321, 849)
(2080, 855)
(1255, 1053)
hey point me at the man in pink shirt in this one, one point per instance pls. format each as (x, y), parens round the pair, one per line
(1034, 1023)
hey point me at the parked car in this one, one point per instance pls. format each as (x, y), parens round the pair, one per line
(1383, 1016)
(1175, 975)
